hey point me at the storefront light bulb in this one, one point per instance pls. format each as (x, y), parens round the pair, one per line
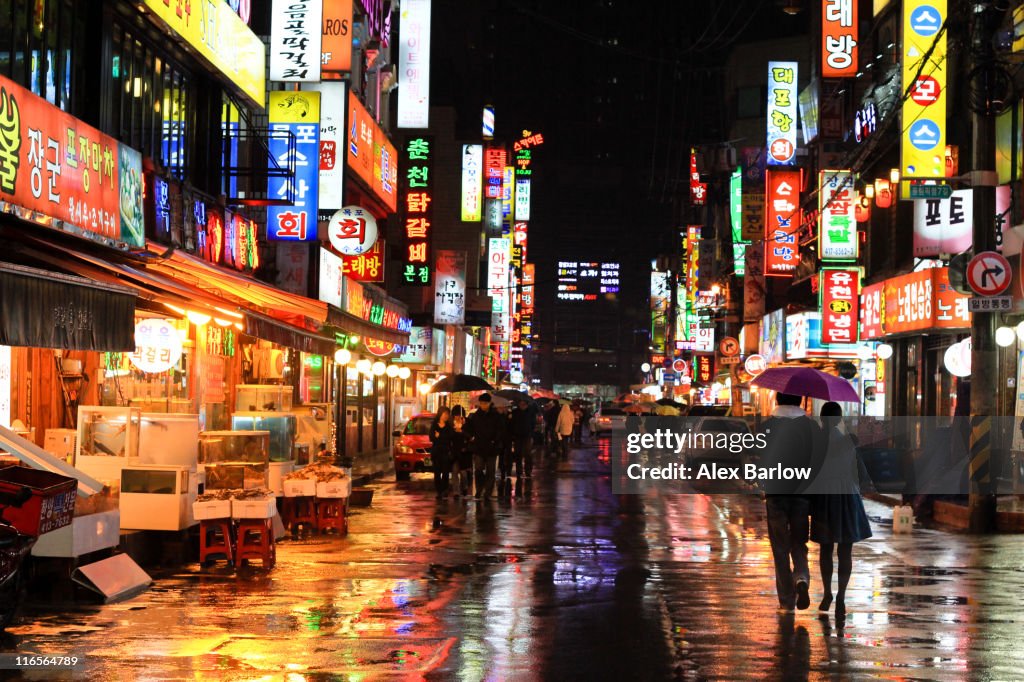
(198, 319)
(645, 367)
(894, 176)
(869, 191)
(364, 366)
(1005, 336)
(392, 371)
(884, 351)
(424, 388)
(342, 356)
(404, 373)
(1020, 332)
(379, 368)
(865, 352)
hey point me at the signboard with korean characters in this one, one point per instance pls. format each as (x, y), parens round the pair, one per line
(295, 33)
(331, 160)
(923, 142)
(352, 231)
(782, 115)
(839, 290)
(839, 38)
(414, 64)
(498, 262)
(331, 287)
(418, 199)
(370, 154)
(297, 112)
(913, 302)
(368, 266)
(418, 351)
(944, 225)
(53, 163)
(472, 182)
(837, 236)
(450, 288)
(158, 345)
(782, 222)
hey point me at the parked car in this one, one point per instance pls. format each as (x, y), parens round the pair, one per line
(606, 420)
(412, 446)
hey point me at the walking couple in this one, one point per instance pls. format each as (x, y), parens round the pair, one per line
(828, 507)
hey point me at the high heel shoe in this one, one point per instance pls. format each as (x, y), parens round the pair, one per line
(826, 604)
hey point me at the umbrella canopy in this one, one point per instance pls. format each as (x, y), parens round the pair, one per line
(807, 381)
(669, 402)
(514, 396)
(544, 393)
(628, 398)
(460, 383)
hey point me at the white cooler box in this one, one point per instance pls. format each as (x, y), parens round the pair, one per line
(339, 488)
(299, 487)
(157, 496)
(258, 508)
(211, 509)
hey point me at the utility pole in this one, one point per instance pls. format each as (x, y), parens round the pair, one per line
(985, 20)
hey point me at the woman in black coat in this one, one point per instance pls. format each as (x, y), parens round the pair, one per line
(441, 450)
(462, 456)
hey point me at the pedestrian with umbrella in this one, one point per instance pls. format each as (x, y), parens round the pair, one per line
(441, 450)
(486, 430)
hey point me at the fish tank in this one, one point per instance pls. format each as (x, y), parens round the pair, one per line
(263, 398)
(283, 428)
(169, 439)
(108, 431)
(235, 460)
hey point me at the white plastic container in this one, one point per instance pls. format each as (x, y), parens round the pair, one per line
(333, 489)
(257, 508)
(903, 519)
(299, 487)
(211, 509)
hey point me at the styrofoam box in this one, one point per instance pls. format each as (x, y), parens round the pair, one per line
(300, 487)
(211, 509)
(259, 508)
(339, 488)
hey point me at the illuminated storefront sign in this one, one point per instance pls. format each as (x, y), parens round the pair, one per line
(295, 31)
(803, 339)
(520, 233)
(782, 222)
(418, 205)
(366, 267)
(923, 142)
(837, 232)
(660, 297)
(498, 261)
(494, 171)
(739, 245)
(586, 281)
(698, 189)
(336, 38)
(944, 225)
(703, 368)
(418, 350)
(840, 305)
(371, 155)
(298, 113)
(331, 160)
(782, 116)
(522, 199)
(838, 38)
(239, 242)
(472, 180)
(450, 288)
(158, 346)
(222, 38)
(53, 163)
(352, 231)
(332, 282)
(913, 302)
(414, 64)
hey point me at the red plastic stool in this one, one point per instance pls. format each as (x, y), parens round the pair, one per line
(215, 540)
(256, 541)
(299, 511)
(332, 513)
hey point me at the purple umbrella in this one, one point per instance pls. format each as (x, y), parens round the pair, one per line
(807, 381)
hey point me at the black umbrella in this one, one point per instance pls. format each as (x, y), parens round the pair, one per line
(669, 402)
(513, 395)
(460, 383)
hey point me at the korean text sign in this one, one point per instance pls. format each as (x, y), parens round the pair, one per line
(494, 164)
(913, 302)
(838, 38)
(418, 206)
(414, 64)
(53, 163)
(498, 262)
(336, 39)
(923, 143)
(450, 287)
(299, 113)
(944, 225)
(837, 236)
(840, 305)
(368, 266)
(472, 181)
(295, 32)
(782, 222)
(782, 116)
(370, 154)
(331, 161)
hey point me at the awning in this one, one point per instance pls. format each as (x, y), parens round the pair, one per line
(46, 309)
(284, 334)
(351, 324)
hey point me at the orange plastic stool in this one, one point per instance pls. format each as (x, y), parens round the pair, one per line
(332, 513)
(215, 540)
(256, 541)
(299, 511)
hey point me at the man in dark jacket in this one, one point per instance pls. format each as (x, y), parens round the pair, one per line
(524, 420)
(487, 432)
(791, 439)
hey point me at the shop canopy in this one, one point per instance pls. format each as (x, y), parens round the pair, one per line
(46, 309)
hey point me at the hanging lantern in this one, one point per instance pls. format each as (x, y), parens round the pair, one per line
(883, 193)
(862, 209)
(952, 160)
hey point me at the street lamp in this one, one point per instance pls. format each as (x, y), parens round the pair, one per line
(378, 368)
(884, 351)
(645, 367)
(404, 373)
(392, 371)
(343, 356)
(1005, 336)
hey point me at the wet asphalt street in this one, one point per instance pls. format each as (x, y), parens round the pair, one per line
(563, 584)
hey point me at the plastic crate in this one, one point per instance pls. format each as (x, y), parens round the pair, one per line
(51, 506)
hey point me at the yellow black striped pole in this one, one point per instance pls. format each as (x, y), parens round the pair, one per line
(981, 454)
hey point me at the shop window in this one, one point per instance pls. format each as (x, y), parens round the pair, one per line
(136, 382)
(38, 46)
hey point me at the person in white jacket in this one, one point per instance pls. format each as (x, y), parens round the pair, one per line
(563, 430)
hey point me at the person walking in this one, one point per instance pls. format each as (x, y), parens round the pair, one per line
(486, 430)
(441, 450)
(462, 458)
(550, 419)
(838, 519)
(563, 430)
(790, 441)
(524, 420)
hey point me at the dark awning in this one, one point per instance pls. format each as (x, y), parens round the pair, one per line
(285, 334)
(44, 309)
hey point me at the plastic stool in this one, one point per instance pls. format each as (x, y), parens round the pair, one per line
(256, 541)
(299, 511)
(332, 513)
(215, 540)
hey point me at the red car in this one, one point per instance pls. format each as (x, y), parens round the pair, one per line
(412, 446)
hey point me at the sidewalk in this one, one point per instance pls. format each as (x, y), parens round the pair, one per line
(368, 466)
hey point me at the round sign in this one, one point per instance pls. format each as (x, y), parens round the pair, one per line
(679, 366)
(781, 150)
(988, 273)
(352, 230)
(755, 365)
(378, 348)
(926, 91)
(924, 135)
(925, 21)
(729, 347)
(157, 346)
